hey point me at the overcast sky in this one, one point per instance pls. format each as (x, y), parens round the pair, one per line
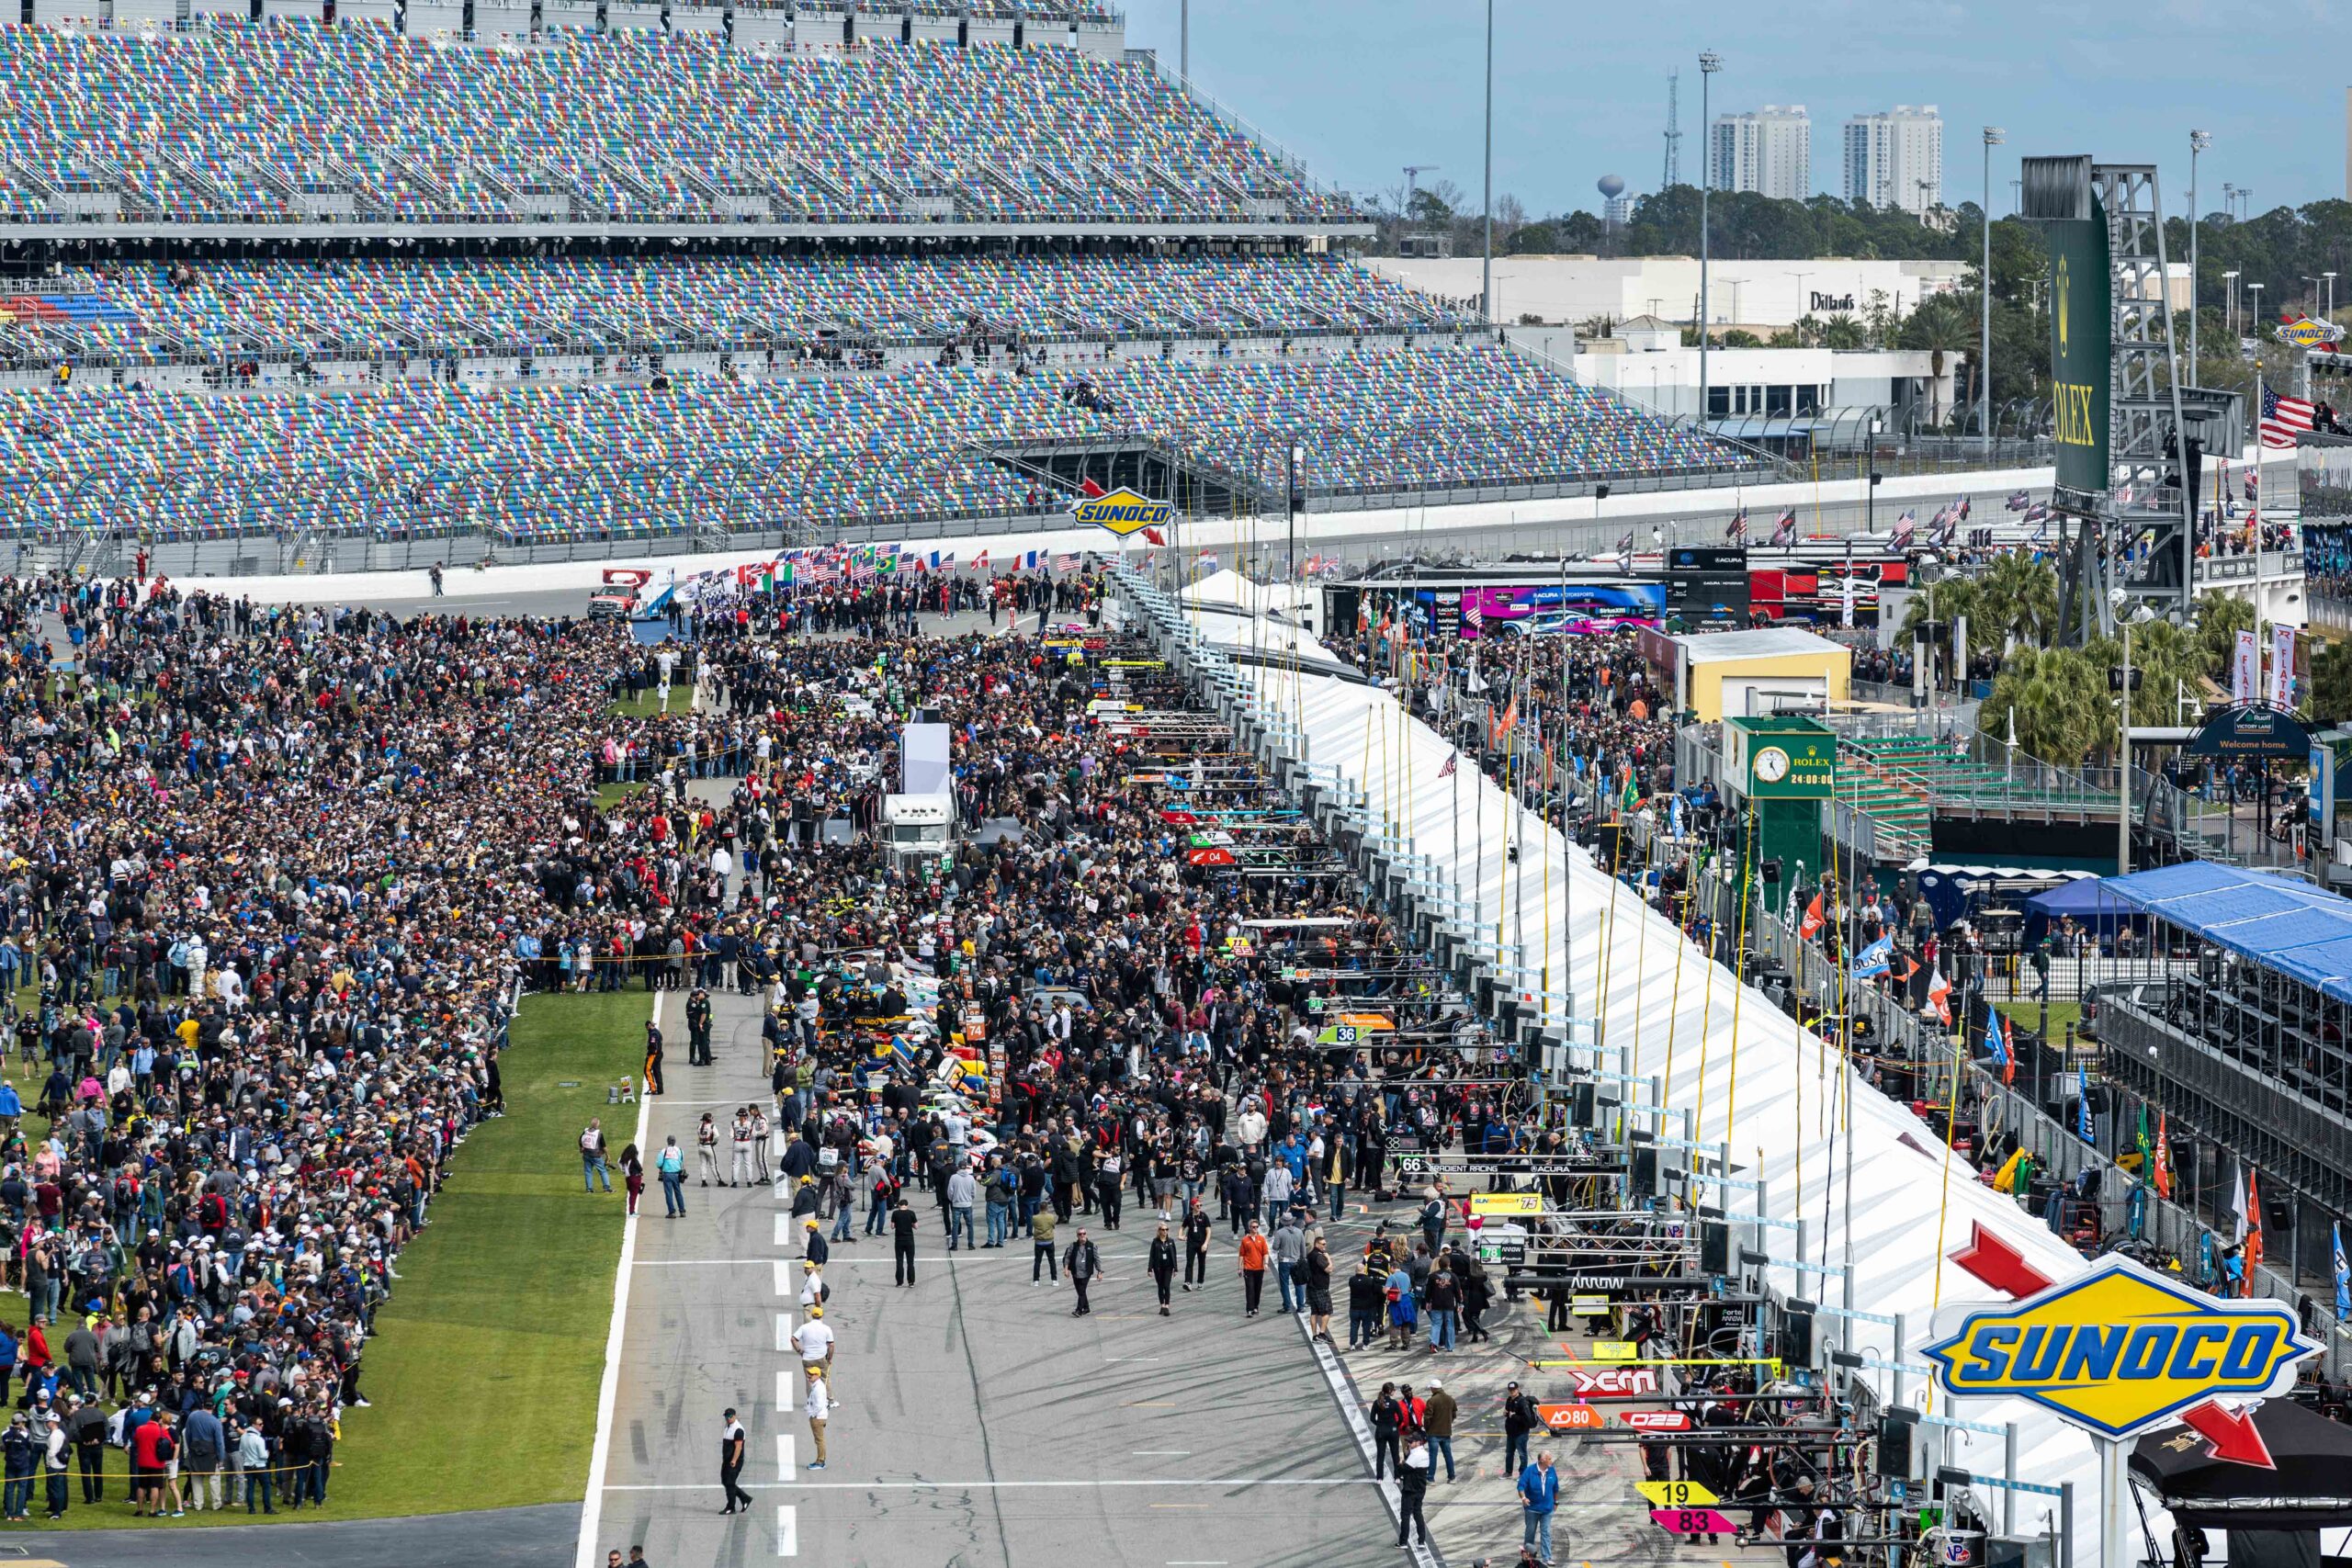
(1359, 88)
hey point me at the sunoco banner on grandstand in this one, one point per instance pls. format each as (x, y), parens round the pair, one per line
(2081, 324)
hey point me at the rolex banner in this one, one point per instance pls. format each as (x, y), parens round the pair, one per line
(2081, 323)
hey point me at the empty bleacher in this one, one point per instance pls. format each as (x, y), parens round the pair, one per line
(291, 122)
(823, 452)
(363, 309)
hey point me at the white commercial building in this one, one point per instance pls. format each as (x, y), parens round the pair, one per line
(1750, 390)
(1757, 294)
(1896, 159)
(1768, 152)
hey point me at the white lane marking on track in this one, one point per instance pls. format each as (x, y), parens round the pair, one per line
(784, 1388)
(1335, 1377)
(787, 1531)
(784, 1331)
(783, 1275)
(1160, 1454)
(783, 1230)
(785, 1464)
(609, 1386)
(1011, 1486)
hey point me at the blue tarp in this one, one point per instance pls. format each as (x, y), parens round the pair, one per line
(2284, 925)
(2087, 899)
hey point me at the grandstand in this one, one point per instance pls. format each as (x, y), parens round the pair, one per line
(523, 277)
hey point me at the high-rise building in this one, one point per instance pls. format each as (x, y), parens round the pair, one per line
(1896, 159)
(1768, 152)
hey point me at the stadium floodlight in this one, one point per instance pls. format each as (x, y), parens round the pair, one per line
(2197, 142)
(1994, 137)
(1709, 63)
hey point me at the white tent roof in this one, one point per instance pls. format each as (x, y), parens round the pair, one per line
(1745, 1073)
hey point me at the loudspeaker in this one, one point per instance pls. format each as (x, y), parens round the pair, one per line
(1894, 1449)
(1584, 1103)
(1714, 1246)
(1644, 1172)
(1796, 1338)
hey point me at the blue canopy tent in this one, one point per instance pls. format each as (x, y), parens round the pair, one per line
(2094, 902)
(2280, 923)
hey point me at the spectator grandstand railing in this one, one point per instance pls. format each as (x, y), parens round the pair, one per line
(291, 128)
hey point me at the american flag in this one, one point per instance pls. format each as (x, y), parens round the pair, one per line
(1738, 529)
(1473, 613)
(2283, 418)
(1065, 563)
(860, 571)
(818, 572)
(1452, 759)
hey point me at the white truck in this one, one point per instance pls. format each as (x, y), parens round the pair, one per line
(918, 827)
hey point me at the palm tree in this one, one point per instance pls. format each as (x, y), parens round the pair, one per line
(2017, 599)
(1842, 332)
(2049, 696)
(1952, 597)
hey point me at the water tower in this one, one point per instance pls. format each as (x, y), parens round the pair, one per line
(1615, 207)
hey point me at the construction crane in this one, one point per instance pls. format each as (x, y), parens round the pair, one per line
(1673, 133)
(1412, 172)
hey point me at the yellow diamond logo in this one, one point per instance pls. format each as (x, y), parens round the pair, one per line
(1123, 511)
(2119, 1349)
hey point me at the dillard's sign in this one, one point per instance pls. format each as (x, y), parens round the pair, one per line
(1831, 301)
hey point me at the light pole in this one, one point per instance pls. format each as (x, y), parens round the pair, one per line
(1993, 137)
(1184, 40)
(2253, 311)
(1297, 456)
(1804, 307)
(2197, 142)
(1709, 63)
(2313, 296)
(2327, 311)
(1486, 269)
(2230, 306)
(2229, 200)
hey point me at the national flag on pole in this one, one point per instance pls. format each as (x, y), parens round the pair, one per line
(2282, 418)
(1065, 563)
(2252, 479)
(981, 562)
(2253, 1229)
(2164, 1155)
(1474, 616)
(1811, 924)
(1940, 995)
(1208, 561)
(1903, 527)
(2343, 1274)
(2146, 1145)
(2083, 1106)
(1996, 1040)
(1452, 760)
(1785, 530)
(1738, 529)
(2237, 1203)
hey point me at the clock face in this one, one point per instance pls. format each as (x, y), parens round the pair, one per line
(1771, 764)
